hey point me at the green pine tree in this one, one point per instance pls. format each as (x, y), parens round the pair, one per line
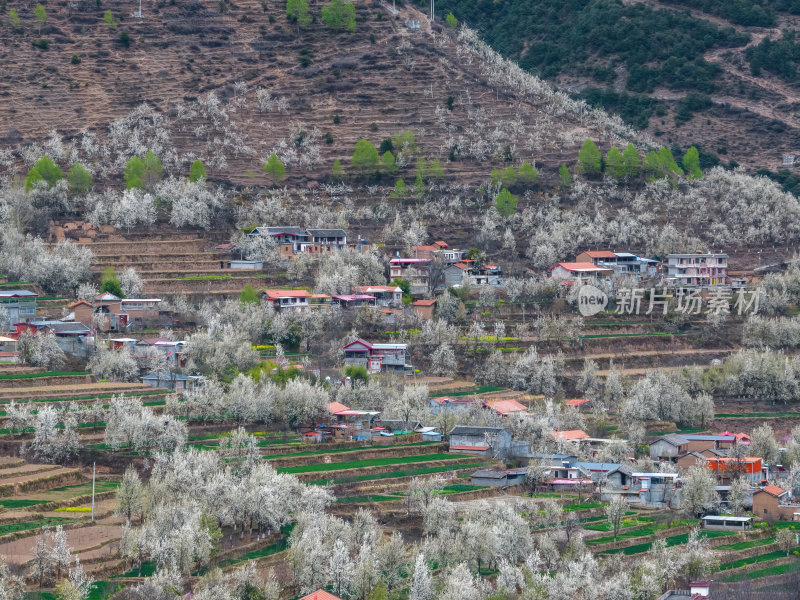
(691, 163)
(614, 163)
(197, 171)
(451, 21)
(134, 173)
(297, 12)
(44, 170)
(339, 15)
(274, 167)
(400, 189)
(337, 171)
(565, 175)
(388, 162)
(506, 203)
(248, 295)
(365, 158)
(109, 282)
(631, 161)
(527, 173)
(419, 186)
(590, 161)
(79, 179)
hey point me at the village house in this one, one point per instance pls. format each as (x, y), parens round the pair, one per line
(622, 264)
(73, 338)
(699, 442)
(175, 382)
(288, 299)
(424, 308)
(579, 403)
(417, 271)
(385, 295)
(698, 590)
(498, 478)
(685, 461)
(354, 300)
(327, 240)
(727, 523)
(446, 405)
(505, 408)
(376, 358)
(654, 490)
(699, 270)
(669, 446)
(481, 441)
(772, 503)
(291, 240)
(478, 275)
(749, 467)
(438, 249)
(579, 272)
(20, 304)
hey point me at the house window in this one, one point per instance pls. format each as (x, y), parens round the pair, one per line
(765, 511)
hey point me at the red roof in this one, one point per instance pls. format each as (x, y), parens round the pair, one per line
(287, 294)
(577, 402)
(335, 407)
(366, 289)
(227, 246)
(600, 253)
(424, 302)
(79, 302)
(359, 341)
(320, 595)
(773, 490)
(441, 244)
(580, 267)
(481, 448)
(426, 248)
(462, 266)
(571, 434)
(504, 407)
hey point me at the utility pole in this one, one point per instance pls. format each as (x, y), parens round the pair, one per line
(94, 470)
(432, 7)
(138, 14)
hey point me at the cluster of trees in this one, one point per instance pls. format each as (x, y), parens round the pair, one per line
(587, 38)
(740, 12)
(338, 15)
(628, 164)
(780, 57)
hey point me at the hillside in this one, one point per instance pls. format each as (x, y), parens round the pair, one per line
(717, 75)
(232, 82)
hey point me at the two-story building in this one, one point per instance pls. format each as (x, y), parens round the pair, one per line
(417, 271)
(20, 304)
(622, 264)
(478, 275)
(385, 295)
(297, 300)
(376, 358)
(327, 240)
(699, 270)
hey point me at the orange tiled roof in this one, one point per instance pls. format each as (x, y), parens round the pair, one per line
(287, 293)
(577, 402)
(504, 407)
(335, 407)
(773, 490)
(320, 595)
(571, 434)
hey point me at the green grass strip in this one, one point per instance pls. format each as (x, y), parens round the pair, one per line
(752, 560)
(339, 450)
(18, 503)
(370, 462)
(395, 474)
(675, 540)
(746, 545)
(484, 389)
(765, 572)
(27, 525)
(48, 374)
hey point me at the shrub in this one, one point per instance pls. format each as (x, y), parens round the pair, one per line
(339, 15)
(42, 44)
(76, 60)
(125, 39)
(451, 21)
